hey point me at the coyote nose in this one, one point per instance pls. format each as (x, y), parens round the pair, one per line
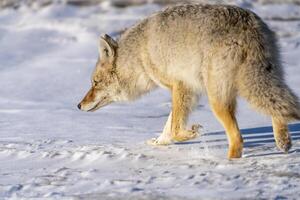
(79, 106)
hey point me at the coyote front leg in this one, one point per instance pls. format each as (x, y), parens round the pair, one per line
(183, 101)
(166, 137)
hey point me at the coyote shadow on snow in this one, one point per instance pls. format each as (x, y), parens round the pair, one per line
(253, 137)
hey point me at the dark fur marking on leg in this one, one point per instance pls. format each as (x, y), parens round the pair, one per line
(273, 101)
(269, 68)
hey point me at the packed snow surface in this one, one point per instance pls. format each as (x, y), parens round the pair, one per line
(49, 149)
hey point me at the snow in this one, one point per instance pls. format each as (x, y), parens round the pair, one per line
(51, 150)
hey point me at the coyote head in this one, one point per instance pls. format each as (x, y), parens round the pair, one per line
(105, 84)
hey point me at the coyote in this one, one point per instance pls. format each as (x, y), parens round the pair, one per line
(219, 50)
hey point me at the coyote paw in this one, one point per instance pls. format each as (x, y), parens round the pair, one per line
(235, 152)
(159, 141)
(196, 127)
(284, 143)
(181, 137)
(185, 135)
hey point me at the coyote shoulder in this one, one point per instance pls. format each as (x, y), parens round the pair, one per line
(220, 50)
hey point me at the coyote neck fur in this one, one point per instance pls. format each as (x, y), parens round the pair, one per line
(133, 79)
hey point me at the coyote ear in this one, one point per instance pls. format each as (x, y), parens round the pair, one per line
(107, 48)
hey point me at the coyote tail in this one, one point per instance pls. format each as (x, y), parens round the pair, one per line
(266, 90)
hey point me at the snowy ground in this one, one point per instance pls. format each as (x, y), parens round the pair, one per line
(49, 149)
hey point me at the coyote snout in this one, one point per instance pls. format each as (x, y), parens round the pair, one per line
(93, 100)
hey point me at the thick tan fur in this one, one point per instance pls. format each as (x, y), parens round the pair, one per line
(223, 51)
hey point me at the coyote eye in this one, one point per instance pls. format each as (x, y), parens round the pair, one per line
(95, 83)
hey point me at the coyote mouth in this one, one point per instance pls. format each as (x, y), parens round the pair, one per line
(101, 103)
(95, 107)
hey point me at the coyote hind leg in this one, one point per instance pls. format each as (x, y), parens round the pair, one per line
(226, 115)
(281, 135)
